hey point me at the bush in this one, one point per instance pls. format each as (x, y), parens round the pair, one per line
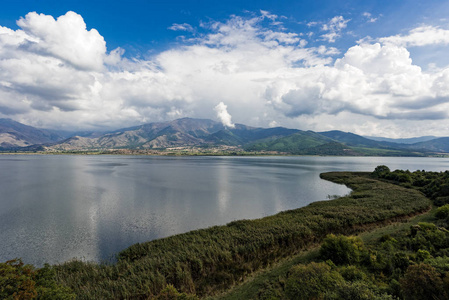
(381, 171)
(341, 249)
(352, 273)
(171, 293)
(442, 212)
(400, 176)
(428, 237)
(441, 264)
(358, 290)
(312, 280)
(422, 282)
(422, 255)
(401, 261)
(21, 281)
(17, 280)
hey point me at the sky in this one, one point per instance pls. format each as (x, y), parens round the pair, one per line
(375, 68)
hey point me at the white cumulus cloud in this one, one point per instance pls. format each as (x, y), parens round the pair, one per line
(56, 73)
(65, 38)
(222, 113)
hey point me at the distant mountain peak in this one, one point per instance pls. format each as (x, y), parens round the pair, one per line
(206, 133)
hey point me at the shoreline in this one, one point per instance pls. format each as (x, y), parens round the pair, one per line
(202, 154)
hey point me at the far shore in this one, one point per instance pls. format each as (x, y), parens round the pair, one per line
(191, 152)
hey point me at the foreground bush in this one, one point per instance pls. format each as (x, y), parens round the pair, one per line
(311, 281)
(20, 281)
(341, 249)
(422, 282)
(442, 212)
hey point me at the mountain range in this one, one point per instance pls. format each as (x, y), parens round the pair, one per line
(203, 135)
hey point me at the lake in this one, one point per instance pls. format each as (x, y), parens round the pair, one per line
(57, 207)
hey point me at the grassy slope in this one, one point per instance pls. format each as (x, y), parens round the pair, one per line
(209, 261)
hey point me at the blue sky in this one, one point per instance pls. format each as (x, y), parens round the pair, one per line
(139, 26)
(369, 67)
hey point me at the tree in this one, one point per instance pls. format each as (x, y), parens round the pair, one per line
(21, 281)
(17, 280)
(422, 282)
(381, 171)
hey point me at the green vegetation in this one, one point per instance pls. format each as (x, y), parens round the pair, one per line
(311, 281)
(411, 264)
(341, 250)
(443, 212)
(435, 185)
(20, 281)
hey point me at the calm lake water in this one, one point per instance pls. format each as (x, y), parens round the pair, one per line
(54, 208)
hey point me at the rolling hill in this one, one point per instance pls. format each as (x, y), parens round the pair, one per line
(435, 145)
(355, 140)
(403, 140)
(15, 135)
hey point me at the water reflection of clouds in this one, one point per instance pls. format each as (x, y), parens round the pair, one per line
(223, 187)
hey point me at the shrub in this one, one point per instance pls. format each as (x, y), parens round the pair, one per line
(312, 280)
(21, 281)
(401, 261)
(381, 171)
(358, 290)
(171, 293)
(441, 264)
(442, 212)
(17, 280)
(427, 226)
(270, 291)
(352, 273)
(422, 255)
(341, 249)
(429, 237)
(422, 282)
